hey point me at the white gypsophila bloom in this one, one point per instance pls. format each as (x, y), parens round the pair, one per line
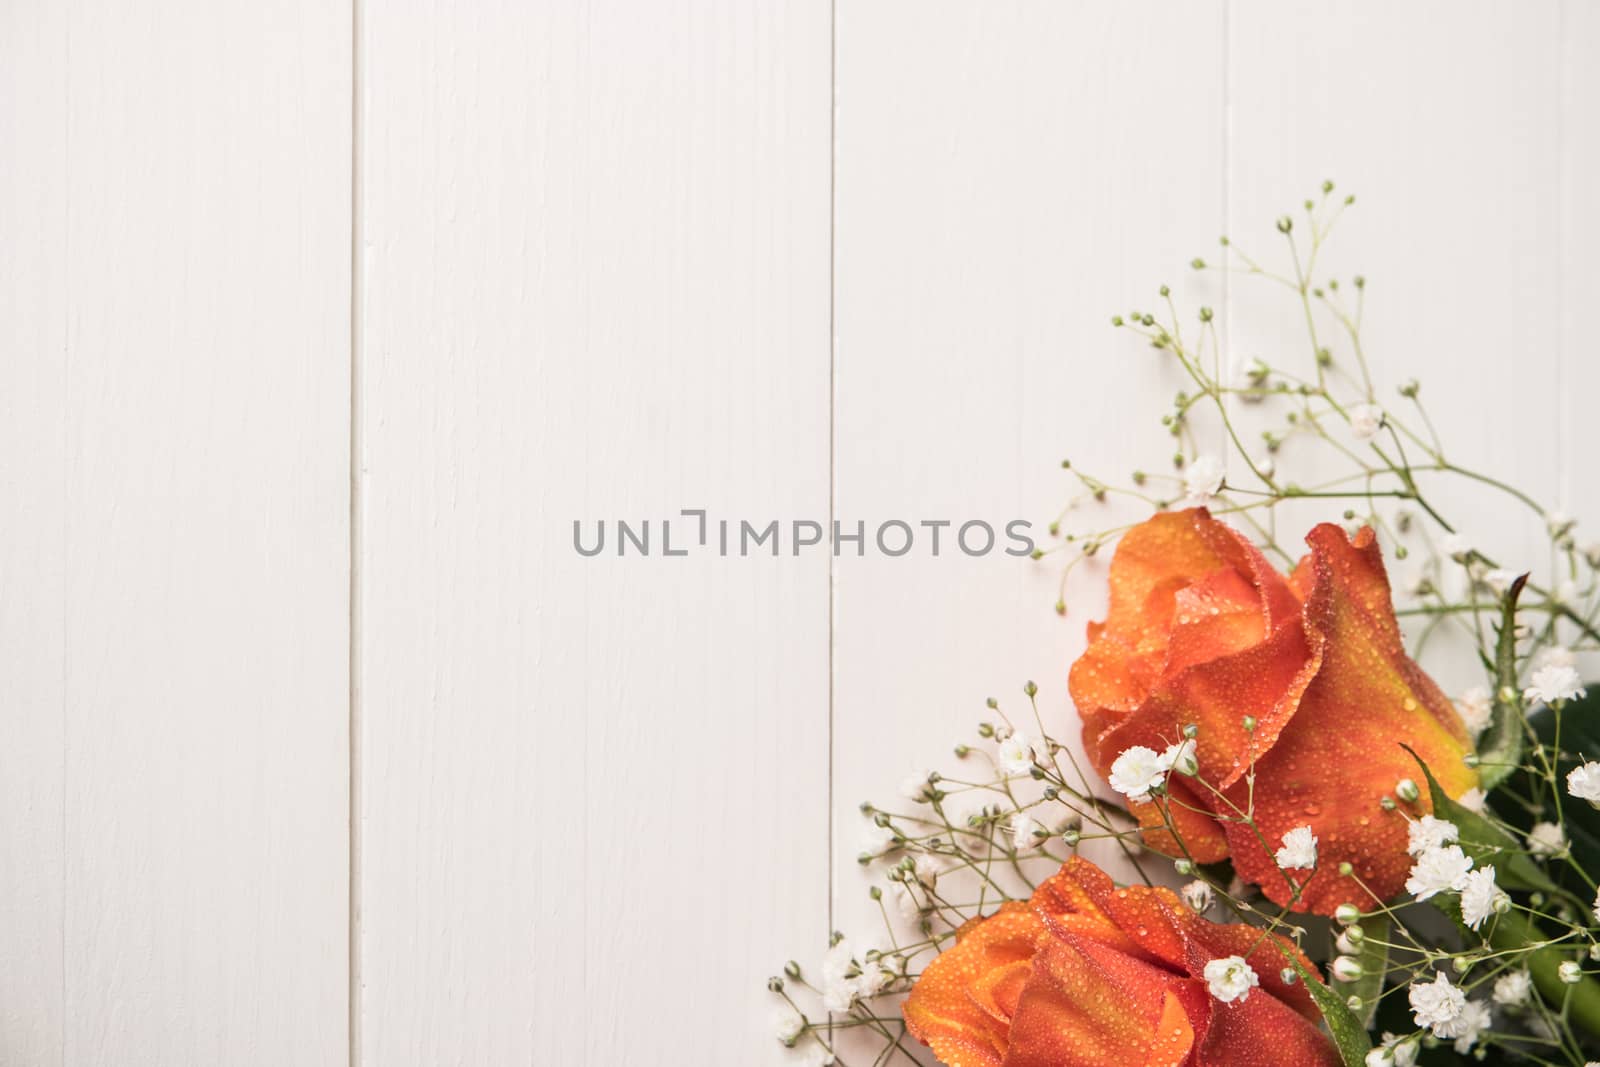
(1405, 1048)
(1499, 580)
(1436, 1004)
(1299, 849)
(1365, 421)
(1202, 479)
(1554, 683)
(1438, 870)
(916, 787)
(1513, 988)
(1546, 839)
(1480, 896)
(1456, 547)
(787, 1024)
(1379, 1056)
(873, 979)
(1467, 1027)
(1584, 783)
(1025, 832)
(1474, 800)
(1181, 758)
(817, 1056)
(1430, 832)
(1475, 707)
(1230, 978)
(1016, 754)
(1197, 895)
(876, 839)
(1137, 771)
(927, 869)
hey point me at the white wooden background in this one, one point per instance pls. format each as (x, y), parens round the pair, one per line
(320, 325)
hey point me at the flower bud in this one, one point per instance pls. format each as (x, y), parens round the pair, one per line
(1570, 972)
(1346, 869)
(1249, 723)
(792, 969)
(1289, 976)
(1183, 867)
(775, 985)
(1346, 968)
(1380, 1057)
(1347, 914)
(1354, 1003)
(1407, 790)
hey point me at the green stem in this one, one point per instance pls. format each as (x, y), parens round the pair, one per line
(1515, 931)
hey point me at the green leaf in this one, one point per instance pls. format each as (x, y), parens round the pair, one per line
(1374, 959)
(1349, 1033)
(1485, 842)
(1500, 747)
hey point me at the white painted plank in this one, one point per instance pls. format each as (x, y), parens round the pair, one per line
(593, 802)
(33, 293)
(1009, 176)
(1453, 152)
(1580, 264)
(180, 379)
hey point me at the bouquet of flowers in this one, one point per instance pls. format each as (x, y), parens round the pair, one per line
(1335, 862)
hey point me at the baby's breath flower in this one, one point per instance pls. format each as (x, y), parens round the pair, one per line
(1136, 772)
(1546, 839)
(1436, 1005)
(1230, 978)
(1438, 870)
(1430, 832)
(1475, 707)
(1365, 421)
(1017, 753)
(787, 1024)
(1197, 895)
(1513, 988)
(1584, 783)
(1554, 683)
(1181, 758)
(1299, 849)
(1025, 832)
(1468, 1026)
(1394, 1051)
(1480, 897)
(1202, 478)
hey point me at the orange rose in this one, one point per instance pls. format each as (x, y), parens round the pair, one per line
(1201, 629)
(1089, 975)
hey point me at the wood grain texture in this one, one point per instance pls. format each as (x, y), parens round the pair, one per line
(1008, 178)
(176, 471)
(594, 805)
(33, 405)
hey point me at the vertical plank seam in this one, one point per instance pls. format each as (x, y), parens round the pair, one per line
(833, 346)
(1564, 355)
(1225, 364)
(66, 486)
(353, 726)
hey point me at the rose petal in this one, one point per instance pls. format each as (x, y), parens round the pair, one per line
(943, 1011)
(1343, 753)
